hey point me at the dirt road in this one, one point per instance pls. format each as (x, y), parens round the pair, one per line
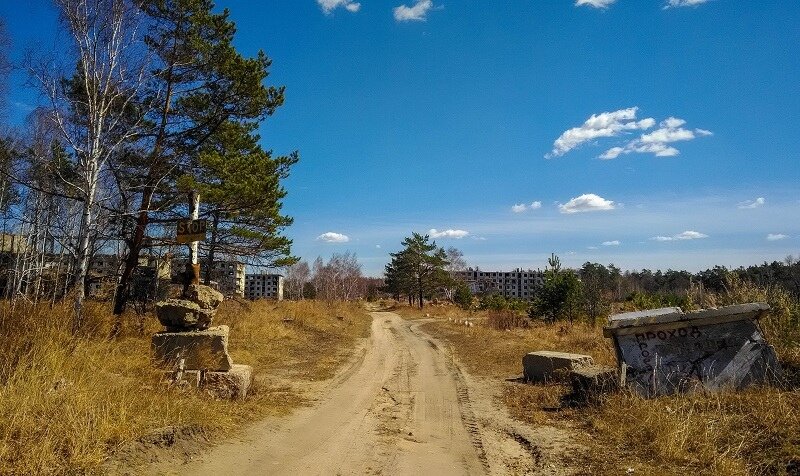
(401, 409)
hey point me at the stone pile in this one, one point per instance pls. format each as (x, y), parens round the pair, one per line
(192, 351)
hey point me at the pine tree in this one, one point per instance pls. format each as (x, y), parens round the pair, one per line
(560, 295)
(240, 187)
(417, 270)
(199, 82)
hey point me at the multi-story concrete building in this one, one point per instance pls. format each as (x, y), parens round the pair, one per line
(227, 276)
(105, 269)
(520, 284)
(263, 286)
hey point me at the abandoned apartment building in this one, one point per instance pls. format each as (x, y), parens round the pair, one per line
(520, 283)
(19, 272)
(263, 286)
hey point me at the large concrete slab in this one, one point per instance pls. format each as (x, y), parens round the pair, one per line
(201, 350)
(548, 365)
(667, 351)
(630, 322)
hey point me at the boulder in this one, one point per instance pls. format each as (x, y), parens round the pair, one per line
(204, 296)
(200, 350)
(228, 385)
(180, 314)
(546, 365)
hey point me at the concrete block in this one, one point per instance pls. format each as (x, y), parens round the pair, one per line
(183, 315)
(228, 385)
(204, 296)
(675, 352)
(546, 365)
(201, 350)
(590, 382)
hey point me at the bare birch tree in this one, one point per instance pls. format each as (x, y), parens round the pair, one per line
(297, 276)
(94, 107)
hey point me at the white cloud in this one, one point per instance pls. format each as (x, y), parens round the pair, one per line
(683, 3)
(605, 124)
(776, 236)
(521, 207)
(656, 142)
(686, 235)
(457, 234)
(418, 12)
(331, 237)
(690, 235)
(594, 3)
(666, 135)
(378, 246)
(330, 5)
(588, 202)
(591, 247)
(611, 243)
(750, 204)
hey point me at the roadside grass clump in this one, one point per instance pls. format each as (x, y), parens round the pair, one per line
(69, 402)
(755, 431)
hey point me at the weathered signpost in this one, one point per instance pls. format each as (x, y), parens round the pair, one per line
(666, 351)
(192, 232)
(190, 350)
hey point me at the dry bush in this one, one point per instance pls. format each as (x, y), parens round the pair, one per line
(781, 325)
(69, 401)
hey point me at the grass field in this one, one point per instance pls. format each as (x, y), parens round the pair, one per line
(756, 431)
(68, 403)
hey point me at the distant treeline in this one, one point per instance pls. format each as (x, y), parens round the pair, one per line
(621, 284)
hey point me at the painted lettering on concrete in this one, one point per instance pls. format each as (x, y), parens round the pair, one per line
(670, 357)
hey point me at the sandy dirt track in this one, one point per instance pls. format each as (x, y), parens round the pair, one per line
(400, 410)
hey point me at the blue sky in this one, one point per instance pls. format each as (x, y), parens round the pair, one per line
(642, 133)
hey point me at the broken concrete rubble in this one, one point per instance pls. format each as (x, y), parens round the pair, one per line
(232, 384)
(194, 310)
(182, 315)
(194, 354)
(666, 351)
(228, 385)
(204, 296)
(546, 365)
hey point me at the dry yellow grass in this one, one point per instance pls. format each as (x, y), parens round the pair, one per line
(756, 431)
(69, 402)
